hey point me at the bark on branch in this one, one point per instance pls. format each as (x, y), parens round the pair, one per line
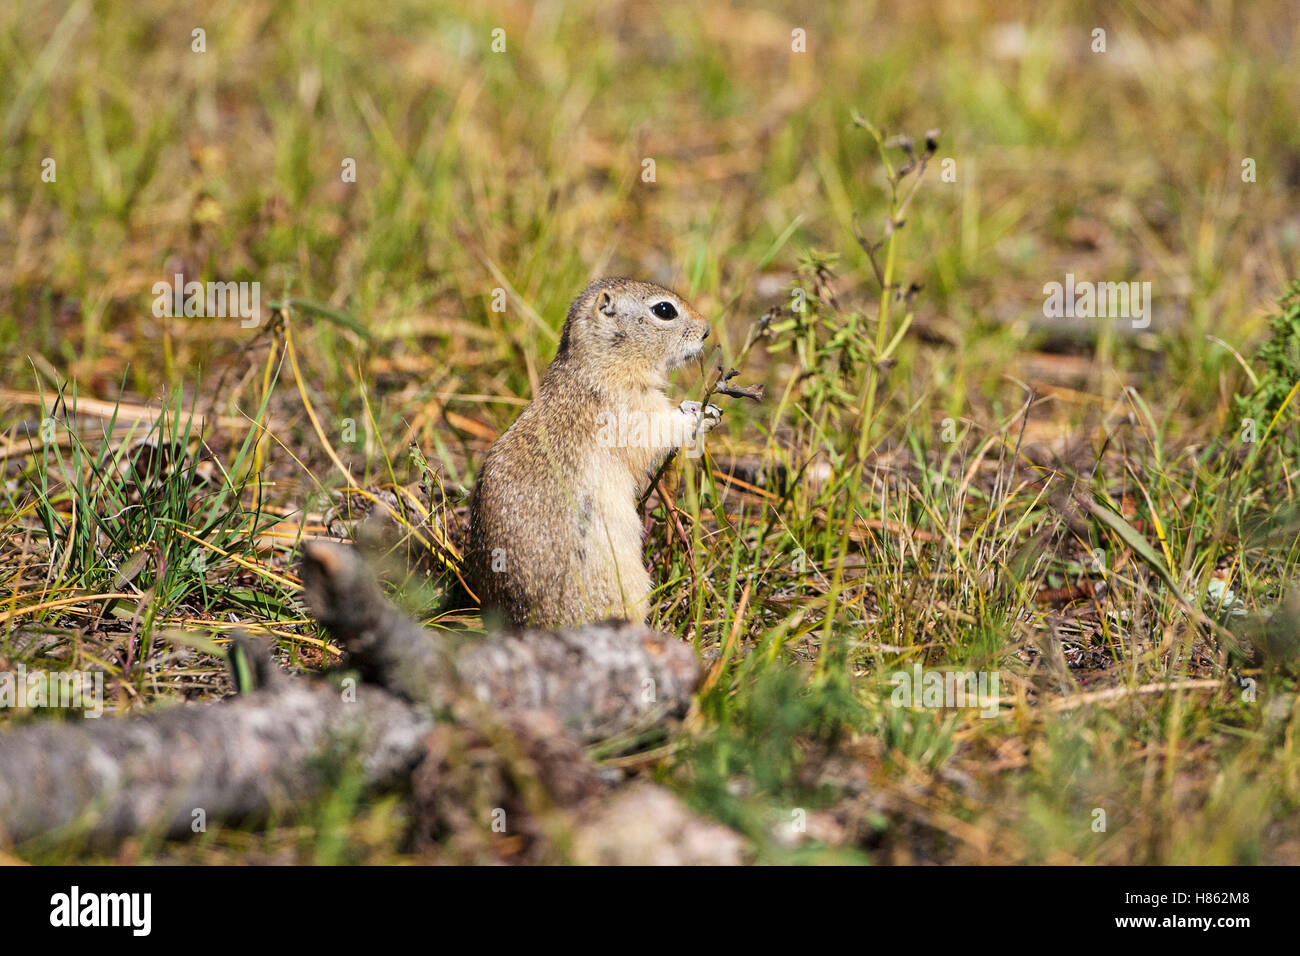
(283, 742)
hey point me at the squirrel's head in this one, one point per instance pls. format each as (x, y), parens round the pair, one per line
(627, 328)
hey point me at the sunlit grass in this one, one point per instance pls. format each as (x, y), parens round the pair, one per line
(964, 485)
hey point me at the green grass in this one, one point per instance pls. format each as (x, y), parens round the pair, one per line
(971, 485)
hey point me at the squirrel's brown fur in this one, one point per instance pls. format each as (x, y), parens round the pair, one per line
(555, 538)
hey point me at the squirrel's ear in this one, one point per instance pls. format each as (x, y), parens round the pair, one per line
(605, 302)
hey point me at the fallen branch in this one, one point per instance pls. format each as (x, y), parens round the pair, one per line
(284, 741)
(599, 679)
(1112, 694)
(170, 771)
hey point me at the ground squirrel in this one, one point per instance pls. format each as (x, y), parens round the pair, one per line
(555, 538)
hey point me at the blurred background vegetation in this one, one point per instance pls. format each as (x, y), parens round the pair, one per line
(1094, 490)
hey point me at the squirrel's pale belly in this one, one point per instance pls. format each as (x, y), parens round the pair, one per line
(614, 568)
(561, 550)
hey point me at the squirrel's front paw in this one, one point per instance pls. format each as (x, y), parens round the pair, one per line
(706, 417)
(709, 418)
(703, 419)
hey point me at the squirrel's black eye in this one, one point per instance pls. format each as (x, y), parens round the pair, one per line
(664, 310)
